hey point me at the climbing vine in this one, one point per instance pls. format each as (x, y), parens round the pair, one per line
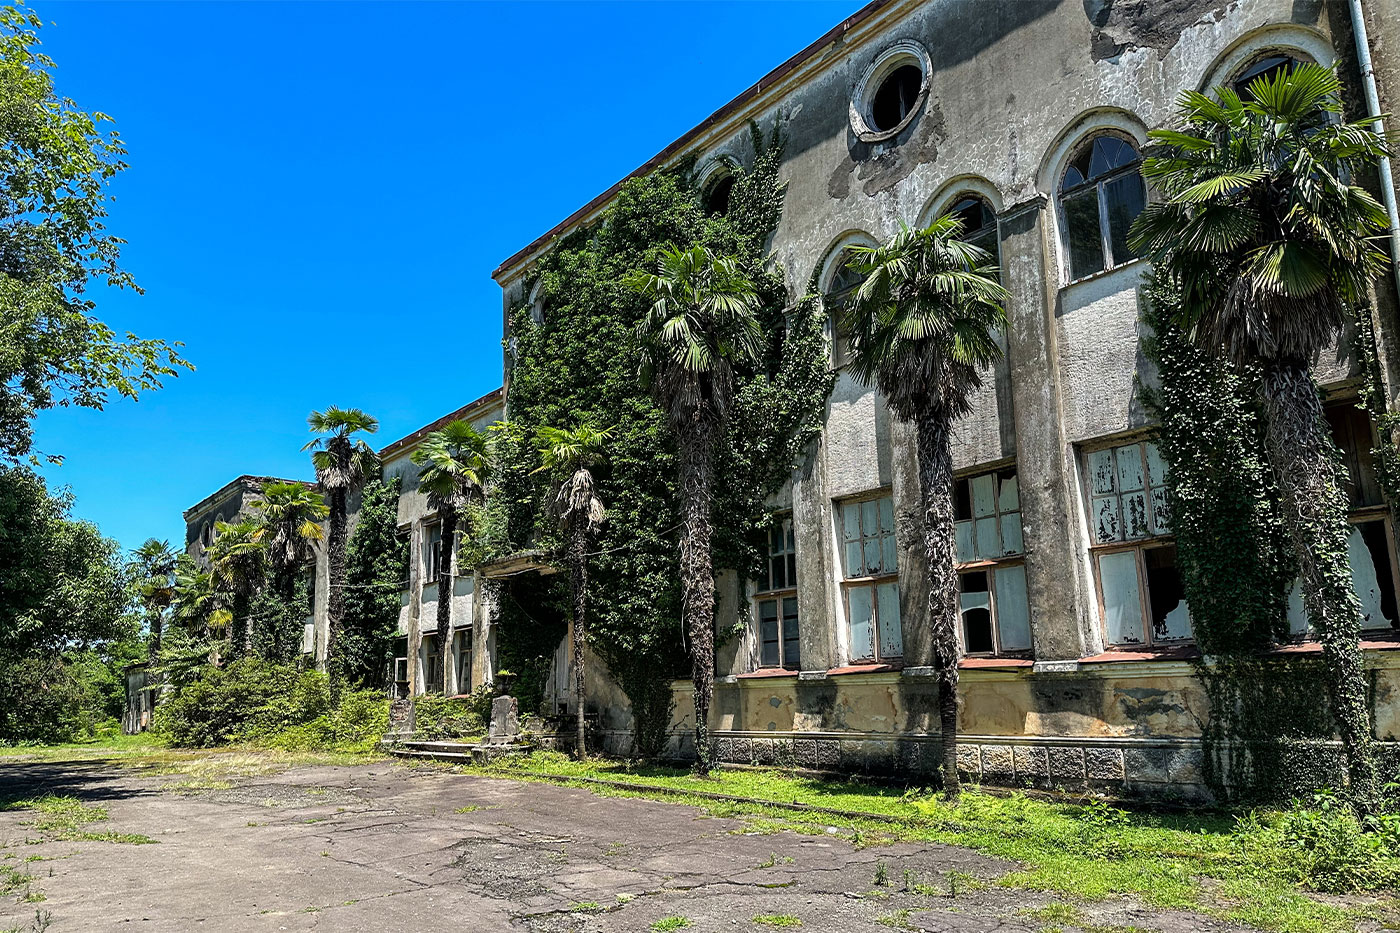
(580, 364)
(1267, 715)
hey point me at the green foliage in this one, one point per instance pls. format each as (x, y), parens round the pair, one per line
(438, 717)
(581, 365)
(1324, 845)
(54, 244)
(251, 700)
(376, 561)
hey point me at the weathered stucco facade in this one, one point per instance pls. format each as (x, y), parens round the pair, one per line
(1067, 679)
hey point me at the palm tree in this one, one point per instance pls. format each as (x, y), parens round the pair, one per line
(290, 525)
(455, 465)
(153, 566)
(921, 327)
(196, 603)
(701, 323)
(1271, 247)
(573, 453)
(238, 560)
(342, 461)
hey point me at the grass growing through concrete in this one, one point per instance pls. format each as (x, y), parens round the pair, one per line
(1239, 867)
(66, 819)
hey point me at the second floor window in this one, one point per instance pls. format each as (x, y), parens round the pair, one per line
(432, 553)
(778, 641)
(1101, 195)
(840, 291)
(1140, 592)
(871, 579)
(993, 605)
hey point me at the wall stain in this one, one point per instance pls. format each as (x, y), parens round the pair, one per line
(881, 166)
(1123, 25)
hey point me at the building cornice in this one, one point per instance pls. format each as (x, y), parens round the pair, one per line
(467, 411)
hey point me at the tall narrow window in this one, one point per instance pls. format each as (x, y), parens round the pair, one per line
(778, 640)
(979, 225)
(462, 658)
(432, 664)
(991, 574)
(871, 585)
(1371, 549)
(1101, 195)
(432, 553)
(1140, 591)
(839, 293)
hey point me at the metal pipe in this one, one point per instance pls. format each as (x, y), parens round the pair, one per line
(1373, 107)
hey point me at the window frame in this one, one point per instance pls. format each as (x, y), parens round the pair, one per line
(1139, 546)
(432, 683)
(777, 596)
(432, 555)
(1095, 184)
(990, 566)
(834, 303)
(994, 228)
(871, 581)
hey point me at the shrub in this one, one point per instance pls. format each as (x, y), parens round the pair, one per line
(1326, 847)
(251, 700)
(439, 717)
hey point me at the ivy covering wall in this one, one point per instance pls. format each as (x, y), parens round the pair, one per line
(376, 560)
(580, 364)
(1265, 731)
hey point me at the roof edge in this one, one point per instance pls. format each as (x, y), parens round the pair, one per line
(410, 439)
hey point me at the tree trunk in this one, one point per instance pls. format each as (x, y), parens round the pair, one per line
(936, 485)
(578, 562)
(697, 442)
(154, 646)
(335, 594)
(240, 635)
(444, 600)
(1315, 511)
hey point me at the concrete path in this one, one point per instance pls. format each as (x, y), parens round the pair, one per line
(386, 847)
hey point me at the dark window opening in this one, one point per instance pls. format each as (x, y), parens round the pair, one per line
(716, 199)
(1166, 597)
(976, 614)
(979, 225)
(896, 97)
(1375, 586)
(1266, 68)
(842, 290)
(1351, 432)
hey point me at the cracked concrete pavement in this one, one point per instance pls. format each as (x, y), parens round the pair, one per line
(388, 847)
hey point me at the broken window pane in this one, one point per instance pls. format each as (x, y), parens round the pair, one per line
(896, 96)
(1009, 495)
(1166, 596)
(976, 608)
(1122, 598)
(891, 633)
(1013, 609)
(1082, 234)
(1368, 551)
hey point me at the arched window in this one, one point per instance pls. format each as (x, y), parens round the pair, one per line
(840, 289)
(537, 304)
(715, 198)
(1101, 195)
(979, 224)
(206, 535)
(1267, 67)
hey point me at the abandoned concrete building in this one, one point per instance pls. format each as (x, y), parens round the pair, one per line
(1029, 118)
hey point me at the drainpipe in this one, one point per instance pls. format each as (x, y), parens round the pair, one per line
(1373, 108)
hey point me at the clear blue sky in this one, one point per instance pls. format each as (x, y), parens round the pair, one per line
(318, 193)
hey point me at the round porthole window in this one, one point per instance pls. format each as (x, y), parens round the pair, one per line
(892, 92)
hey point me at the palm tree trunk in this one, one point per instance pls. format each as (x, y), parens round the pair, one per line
(579, 570)
(155, 634)
(444, 599)
(697, 441)
(335, 595)
(1315, 509)
(936, 483)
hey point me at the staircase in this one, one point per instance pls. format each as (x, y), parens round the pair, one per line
(455, 752)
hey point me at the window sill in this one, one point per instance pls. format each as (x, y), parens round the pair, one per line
(766, 672)
(1145, 653)
(1101, 274)
(993, 663)
(874, 667)
(1375, 640)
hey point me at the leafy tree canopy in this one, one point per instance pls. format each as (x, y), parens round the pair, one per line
(56, 162)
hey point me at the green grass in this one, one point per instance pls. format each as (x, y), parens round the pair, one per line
(670, 923)
(777, 920)
(1196, 860)
(66, 818)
